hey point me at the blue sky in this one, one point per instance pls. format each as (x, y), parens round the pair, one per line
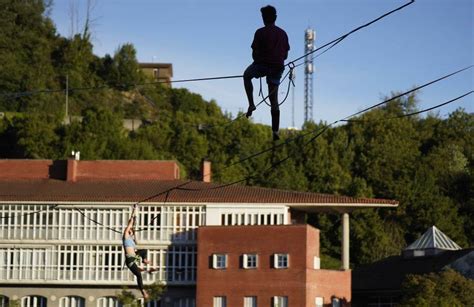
(208, 38)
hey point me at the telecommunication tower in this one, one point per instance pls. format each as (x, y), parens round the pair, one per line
(309, 37)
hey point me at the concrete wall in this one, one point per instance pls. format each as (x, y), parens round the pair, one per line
(130, 124)
(90, 294)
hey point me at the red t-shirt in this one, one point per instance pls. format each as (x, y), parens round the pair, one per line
(270, 45)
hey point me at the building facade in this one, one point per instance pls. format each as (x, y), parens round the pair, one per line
(161, 72)
(61, 225)
(276, 265)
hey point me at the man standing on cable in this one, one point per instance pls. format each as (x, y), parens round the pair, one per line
(269, 51)
(133, 256)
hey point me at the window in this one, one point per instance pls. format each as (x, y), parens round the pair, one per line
(185, 302)
(317, 263)
(280, 301)
(108, 301)
(250, 261)
(180, 263)
(250, 301)
(219, 301)
(281, 261)
(219, 261)
(319, 302)
(419, 253)
(72, 301)
(4, 301)
(386, 301)
(33, 301)
(336, 302)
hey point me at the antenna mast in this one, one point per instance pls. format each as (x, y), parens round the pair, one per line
(309, 37)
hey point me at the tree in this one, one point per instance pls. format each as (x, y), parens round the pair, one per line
(32, 136)
(446, 288)
(26, 44)
(36, 136)
(100, 135)
(373, 238)
(127, 298)
(124, 72)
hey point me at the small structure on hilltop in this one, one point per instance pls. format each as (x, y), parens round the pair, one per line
(161, 72)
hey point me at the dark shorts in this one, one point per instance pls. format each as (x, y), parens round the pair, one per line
(272, 73)
(131, 260)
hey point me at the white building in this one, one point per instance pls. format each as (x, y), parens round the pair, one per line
(61, 225)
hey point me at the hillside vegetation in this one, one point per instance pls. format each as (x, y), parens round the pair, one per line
(426, 163)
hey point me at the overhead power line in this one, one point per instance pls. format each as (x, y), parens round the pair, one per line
(409, 114)
(349, 116)
(317, 133)
(342, 37)
(290, 64)
(181, 186)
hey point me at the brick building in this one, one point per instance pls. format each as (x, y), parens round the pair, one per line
(61, 224)
(277, 265)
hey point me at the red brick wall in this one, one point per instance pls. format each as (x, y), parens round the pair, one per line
(312, 246)
(25, 169)
(263, 282)
(127, 169)
(101, 169)
(328, 284)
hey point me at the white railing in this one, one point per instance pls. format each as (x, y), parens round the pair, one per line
(44, 222)
(175, 264)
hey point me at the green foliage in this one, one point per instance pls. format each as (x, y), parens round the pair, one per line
(447, 288)
(14, 303)
(122, 71)
(26, 44)
(127, 298)
(330, 263)
(36, 136)
(372, 238)
(427, 164)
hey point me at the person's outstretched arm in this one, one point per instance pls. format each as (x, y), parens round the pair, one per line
(131, 220)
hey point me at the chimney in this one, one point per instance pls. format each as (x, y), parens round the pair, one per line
(206, 170)
(71, 170)
(72, 167)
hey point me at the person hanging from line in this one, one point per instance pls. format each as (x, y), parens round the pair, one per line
(269, 51)
(133, 256)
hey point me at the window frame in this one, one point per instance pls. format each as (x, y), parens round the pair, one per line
(280, 301)
(246, 259)
(223, 301)
(250, 301)
(216, 264)
(276, 261)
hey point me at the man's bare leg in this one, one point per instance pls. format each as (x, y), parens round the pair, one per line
(249, 91)
(273, 95)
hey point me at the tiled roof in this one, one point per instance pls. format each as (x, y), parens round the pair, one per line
(433, 238)
(156, 191)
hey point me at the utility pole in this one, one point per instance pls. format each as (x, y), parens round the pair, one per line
(293, 103)
(66, 117)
